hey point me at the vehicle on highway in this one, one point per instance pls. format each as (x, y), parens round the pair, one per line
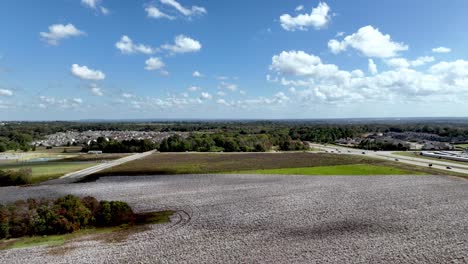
(449, 168)
(397, 160)
(363, 153)
(430, 165)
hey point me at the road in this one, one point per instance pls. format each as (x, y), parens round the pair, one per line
(78, 175)
(388, 155)
(271, 219)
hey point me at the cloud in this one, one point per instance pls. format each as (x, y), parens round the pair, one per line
(194, 88)
(299, 63)
(126, 46)
(154, 63)
(78, 100)
(373, 67)
(206, 96)
(318, 19)
(96, 90)
(154, 12)
(404, 63)
(299, 8)
(370, 42)
(5, 92)
(441, 50)
(64, 103)
(127, 95)
(197, 74)
(193, 11)
(222, 102)
(83, 72)
(230, 86)
(104, 10)
(57, 32)
(327, 83)
(183, 44)
(96, 5)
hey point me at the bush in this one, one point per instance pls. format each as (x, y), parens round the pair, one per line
(15, 177)
(64, 215)
(73, 213)
(104, 214)
(4, 221)
(114, 213)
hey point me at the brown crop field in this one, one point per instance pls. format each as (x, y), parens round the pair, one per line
(201, 163)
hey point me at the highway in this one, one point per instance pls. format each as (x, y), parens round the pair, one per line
(78, 175)
(389, 155)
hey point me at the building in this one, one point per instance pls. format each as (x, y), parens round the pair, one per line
(95, 152)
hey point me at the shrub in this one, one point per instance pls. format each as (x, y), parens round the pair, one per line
(114, 213)
(4, 221)
(104, 215)
(13, 177)
(64, 215)
(121, 213)
(73, 211)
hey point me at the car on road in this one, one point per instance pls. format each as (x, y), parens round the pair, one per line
(430, 165)
(449, 168)
(363, 153)
(397, 160)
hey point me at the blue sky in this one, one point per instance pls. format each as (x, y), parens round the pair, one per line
(80, 59)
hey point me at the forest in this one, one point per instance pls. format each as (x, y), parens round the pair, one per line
(241, 135)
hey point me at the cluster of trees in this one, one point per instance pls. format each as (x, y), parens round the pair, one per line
(16, 141)
(230, 142)
(64, 215)
(15, 177)
(126, 146)
(372, 145)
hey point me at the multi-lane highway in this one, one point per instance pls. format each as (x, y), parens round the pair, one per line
(389, 155)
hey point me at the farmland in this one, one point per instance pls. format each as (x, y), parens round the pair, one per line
(196, 163)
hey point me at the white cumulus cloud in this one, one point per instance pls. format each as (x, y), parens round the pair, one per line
(57, 32)
(126, 46)
(183, 44)
(197, 74)
(441, 50)
(154, 63)
(370, 42)
(318, 18)
(192, 11)
(154, 12)
(85, 73)
(314, 81)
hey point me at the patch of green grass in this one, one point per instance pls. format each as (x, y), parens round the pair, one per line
(461, 146)
(48, 170)
(49, 241)
(356, 169)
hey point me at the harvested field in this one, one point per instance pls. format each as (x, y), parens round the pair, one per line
(199, 163)
(271, 219)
